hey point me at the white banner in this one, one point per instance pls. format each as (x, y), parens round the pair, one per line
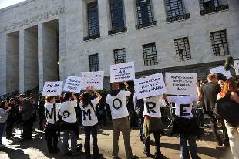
(122, 72)
(221, 69)
(181, 83)
(52, 88)
(152, 85)
(73, 84)
(93, 79)
(236, 66)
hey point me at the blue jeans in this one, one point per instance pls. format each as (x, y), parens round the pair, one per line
(2, 126)
(185, 149)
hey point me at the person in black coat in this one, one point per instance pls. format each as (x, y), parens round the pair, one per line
(12, 118)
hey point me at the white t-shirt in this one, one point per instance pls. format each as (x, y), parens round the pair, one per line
(152, 106)
(67, 111)
(118, 104)
(89, 117)
(183, 105)
(50, 113)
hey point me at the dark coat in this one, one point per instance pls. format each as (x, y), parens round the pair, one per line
(27, 110)
(209, 95)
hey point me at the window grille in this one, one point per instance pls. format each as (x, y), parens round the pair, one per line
(209, 6)
(94, 62)
(144, 13)
(219, 43)
(117, 16)
(150, 54)
(182, 47)
(119, 55)
(176, 10)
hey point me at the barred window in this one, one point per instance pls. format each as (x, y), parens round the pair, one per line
(219, 43)
(94, 62)
(176, 10)
(182, 47)
(119, 55)
(117, 16)
(209, 6)
(144, 13)
(150, 54)
(93, 20)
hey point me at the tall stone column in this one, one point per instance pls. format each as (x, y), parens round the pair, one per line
(21, 61)
(47, 52)
(130, 13)
(160, 15)
(40, 56)
(103, 9)
(3, 51)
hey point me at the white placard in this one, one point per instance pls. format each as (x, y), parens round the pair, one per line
(93, 79)
(152, 85)
(236, 66)
(181, 83)
(73, 84)
(221, 69)
(52, 88)
(122, 72)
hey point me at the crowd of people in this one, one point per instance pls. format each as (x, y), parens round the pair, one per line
(61, 117)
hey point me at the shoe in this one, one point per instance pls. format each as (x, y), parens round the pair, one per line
(142, 138)
(147, 154)
(69, 153)
(87, 157)
(159, 156)
(116, 157)
(198, 157)
(98, 156)
(134, 157)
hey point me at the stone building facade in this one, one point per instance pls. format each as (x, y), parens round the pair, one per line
(42, 40)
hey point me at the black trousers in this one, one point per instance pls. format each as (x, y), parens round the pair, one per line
(27, 129)
(9, 129)
(93, 131)
(156, 135)
(51, 135)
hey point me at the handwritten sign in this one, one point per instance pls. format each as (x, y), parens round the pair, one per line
(122, 72)
(181, 83)
(236, 66)
(221, 69)
(93, 79)
(150, 86)
(73, 84)
(52, 88)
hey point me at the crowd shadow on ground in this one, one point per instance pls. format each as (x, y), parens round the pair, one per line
(38, 142)
(14, 154)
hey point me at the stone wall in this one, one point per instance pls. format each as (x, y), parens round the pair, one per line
(74, 52)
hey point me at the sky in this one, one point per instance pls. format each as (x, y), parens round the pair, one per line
(6, 3)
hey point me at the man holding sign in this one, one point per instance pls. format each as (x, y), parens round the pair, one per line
(120, 115)
(153, 124)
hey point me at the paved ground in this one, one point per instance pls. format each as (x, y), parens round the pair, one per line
(36, 149)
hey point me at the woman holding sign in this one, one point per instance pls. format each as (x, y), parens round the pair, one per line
(89, 121)
(69, 123)
(120, 115)
(153, 124)
(51, 131)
